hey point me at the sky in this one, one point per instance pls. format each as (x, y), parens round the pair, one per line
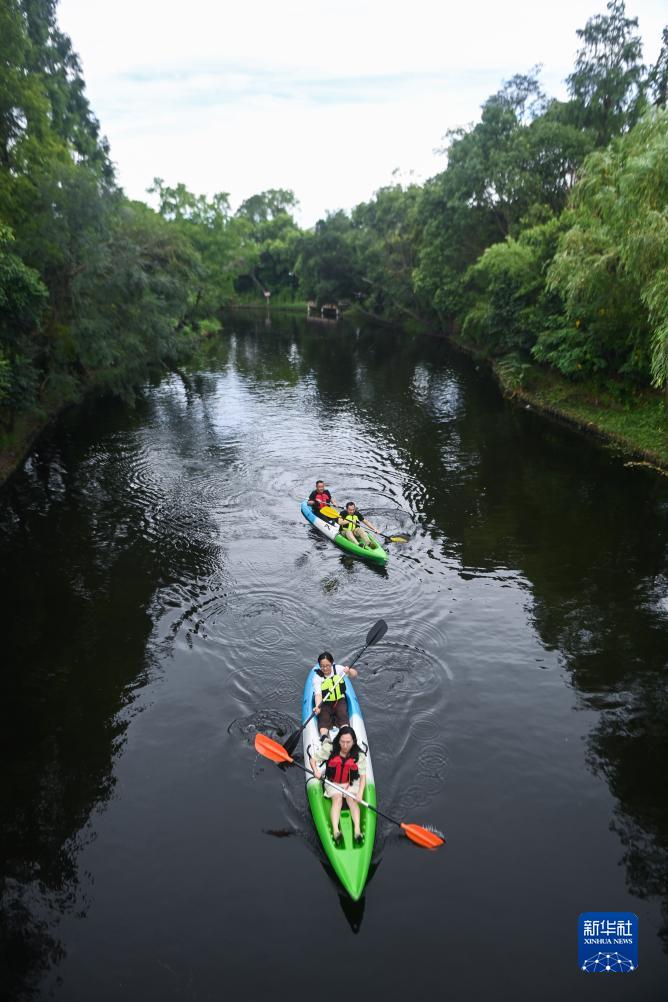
(331, 100)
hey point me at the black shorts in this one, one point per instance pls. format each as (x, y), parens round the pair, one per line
(333, 713)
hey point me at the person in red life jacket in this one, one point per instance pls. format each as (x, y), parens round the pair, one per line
(351, 521)
(344, 763)
(319, 497)
(329, 693)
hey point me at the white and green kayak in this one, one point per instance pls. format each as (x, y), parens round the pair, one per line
(376, 555)
(350, 861)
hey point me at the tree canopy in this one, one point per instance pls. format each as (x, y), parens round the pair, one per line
(544, 238)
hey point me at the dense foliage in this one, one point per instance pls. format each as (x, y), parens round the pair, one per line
(95, 289)
(544, 239)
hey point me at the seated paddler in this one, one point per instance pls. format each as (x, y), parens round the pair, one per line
(320, 498)
(329, 693)
(342, 762)
(351, 521)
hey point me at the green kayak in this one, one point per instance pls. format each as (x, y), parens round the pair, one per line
(376, 555)
(350, 862)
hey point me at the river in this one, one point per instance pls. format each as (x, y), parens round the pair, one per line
(163, 601)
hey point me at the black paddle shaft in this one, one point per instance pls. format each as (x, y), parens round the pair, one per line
(376, 633)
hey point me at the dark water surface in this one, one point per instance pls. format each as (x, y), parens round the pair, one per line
(163, 600)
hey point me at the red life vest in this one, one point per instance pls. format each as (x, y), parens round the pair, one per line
(323, 498)
(342, 770)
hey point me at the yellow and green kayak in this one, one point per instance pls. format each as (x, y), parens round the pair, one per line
(375, 554)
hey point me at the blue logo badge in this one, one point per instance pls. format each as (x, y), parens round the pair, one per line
(608, 942)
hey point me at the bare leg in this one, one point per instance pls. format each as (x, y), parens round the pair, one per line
(349, 535)
(337, 803)
(362, 536)
(354, 813)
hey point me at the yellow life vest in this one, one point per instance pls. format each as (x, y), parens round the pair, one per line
(350, 521)
(332, 688)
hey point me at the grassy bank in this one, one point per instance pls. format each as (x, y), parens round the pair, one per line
(635, 420)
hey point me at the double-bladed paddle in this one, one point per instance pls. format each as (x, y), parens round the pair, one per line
(377, 631)
(271, 749)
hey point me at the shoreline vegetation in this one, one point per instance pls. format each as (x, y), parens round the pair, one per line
(637, 428)
(634, 424)
(541, 247)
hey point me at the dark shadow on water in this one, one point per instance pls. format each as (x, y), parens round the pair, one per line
(84, 563)
(349, 563)
(353, 911)
(27, 947)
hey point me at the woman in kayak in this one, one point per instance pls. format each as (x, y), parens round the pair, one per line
(319, 497)
(329, 691)
(344, 763)
(351, 521)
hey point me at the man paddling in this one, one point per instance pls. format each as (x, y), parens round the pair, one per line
(329, 690)
(351, 521)
(320, 497)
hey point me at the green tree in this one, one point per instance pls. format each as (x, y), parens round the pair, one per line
(144, 271)
(23, 102)
(327, 262)
(268, 222)
(658, 76)
(52, 59)
(223, 243)
(268, 205)
(179, 204)
(514, 168)
(23, 299)
(608, 81)
(94, 289)
(510, 303)
(611, 267)
(385, 233)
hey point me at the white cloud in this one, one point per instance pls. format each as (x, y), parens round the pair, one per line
(323, 98)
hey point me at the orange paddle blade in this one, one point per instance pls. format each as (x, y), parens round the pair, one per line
(422, 836)
(271, 749)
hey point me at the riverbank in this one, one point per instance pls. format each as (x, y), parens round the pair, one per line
(17, 442)
(633, 420)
